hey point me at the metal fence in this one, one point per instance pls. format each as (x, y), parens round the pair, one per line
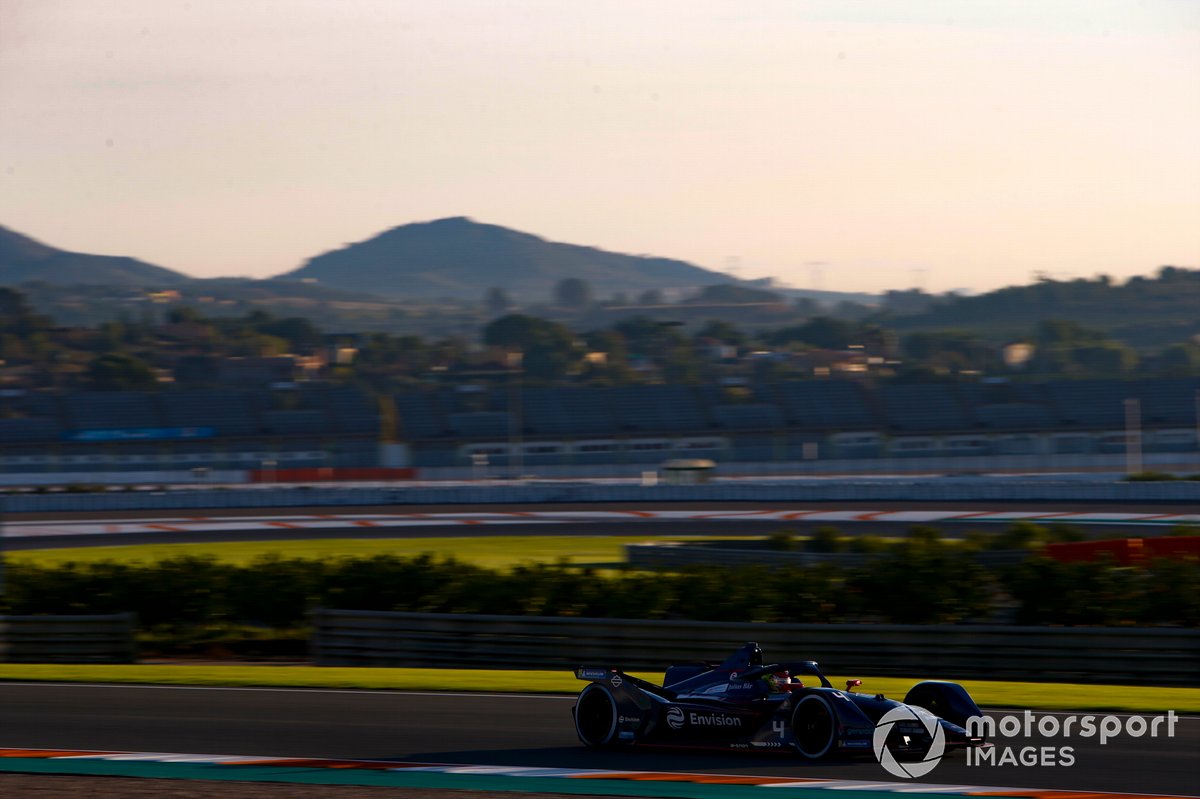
(1044, 654)
(676, 555)
(765, 490)
(67, 639)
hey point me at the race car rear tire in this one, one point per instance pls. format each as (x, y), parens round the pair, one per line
(596, 716)
(814, 726)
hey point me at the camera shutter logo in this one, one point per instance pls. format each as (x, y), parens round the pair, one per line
(888, 760)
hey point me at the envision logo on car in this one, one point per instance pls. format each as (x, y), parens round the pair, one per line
(675, 718)
(701, 720)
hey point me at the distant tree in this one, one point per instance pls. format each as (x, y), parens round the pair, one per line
(497, 301)
(954, 350)
(724, 332)
(299, 332)
(12, 303)
(911, 301)
(1105, 358)
(16, 316)
(117, 371)
(573, 292)
(1061, 331)
(195, 371)
(823, 331)
(732, 293)
(806, 306)
(1181, 359)
(515, 330)
(183, 314)
(549, 350)
(111, 337)
(649, 338)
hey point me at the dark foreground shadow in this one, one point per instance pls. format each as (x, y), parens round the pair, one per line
(656, 759)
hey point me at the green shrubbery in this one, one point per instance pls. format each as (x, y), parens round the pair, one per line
(920, 580)
(1155, 477)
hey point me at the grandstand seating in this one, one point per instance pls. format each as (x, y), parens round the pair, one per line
(1013, 416)
(321, 424)
(827, 405)
(298, 421)
(657, 408)
(480, 424)
(228, 411)
(588, 412)
(30, 429)
(112, 410)
(753, 416)
(544, 412)
(354, 413)
(1172, 402)
(418, 417)
(923, 408)
(1091, 403)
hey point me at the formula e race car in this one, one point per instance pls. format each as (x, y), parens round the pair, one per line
(743, 703)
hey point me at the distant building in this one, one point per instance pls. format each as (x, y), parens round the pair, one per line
(268, 370)
(1017, 354)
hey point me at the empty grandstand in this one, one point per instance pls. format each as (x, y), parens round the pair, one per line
(322, 425)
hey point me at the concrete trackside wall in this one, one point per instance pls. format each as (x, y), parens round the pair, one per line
(1147, 656)
(67, 639)
(882, 491)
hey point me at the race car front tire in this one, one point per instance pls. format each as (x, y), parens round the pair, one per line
(596, 716)
(814, 726)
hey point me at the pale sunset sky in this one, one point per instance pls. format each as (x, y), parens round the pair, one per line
(862, 144)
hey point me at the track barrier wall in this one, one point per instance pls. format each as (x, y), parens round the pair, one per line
(673, 555)
(67, 639)
(983, 490)
(1148, 656)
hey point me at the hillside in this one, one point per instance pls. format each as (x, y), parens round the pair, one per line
(460, 258)
(23, 259)
(1143, 311)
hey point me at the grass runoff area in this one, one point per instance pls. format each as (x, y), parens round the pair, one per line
(1033, 696)
(495, 552)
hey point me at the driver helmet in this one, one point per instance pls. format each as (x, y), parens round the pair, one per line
(778, 681)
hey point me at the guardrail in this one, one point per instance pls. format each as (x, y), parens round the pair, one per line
(981, 490)
(67, 639)
(675, 555)
(1153, 656)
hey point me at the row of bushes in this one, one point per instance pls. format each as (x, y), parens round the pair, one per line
(1020, 535)
(920, 581)
(1154, 477)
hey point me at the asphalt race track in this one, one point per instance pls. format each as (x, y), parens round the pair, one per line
(255, 530)
(494, 730)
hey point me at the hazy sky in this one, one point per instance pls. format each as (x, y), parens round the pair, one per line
(937, 143)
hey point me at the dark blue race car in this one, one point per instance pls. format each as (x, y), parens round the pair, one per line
(744, 703)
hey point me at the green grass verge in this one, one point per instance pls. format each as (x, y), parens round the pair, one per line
(1034, 696)
(487, 551)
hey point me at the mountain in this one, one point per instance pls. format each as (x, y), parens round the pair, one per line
(458, 257)
(1144, 311)
(22, 260)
